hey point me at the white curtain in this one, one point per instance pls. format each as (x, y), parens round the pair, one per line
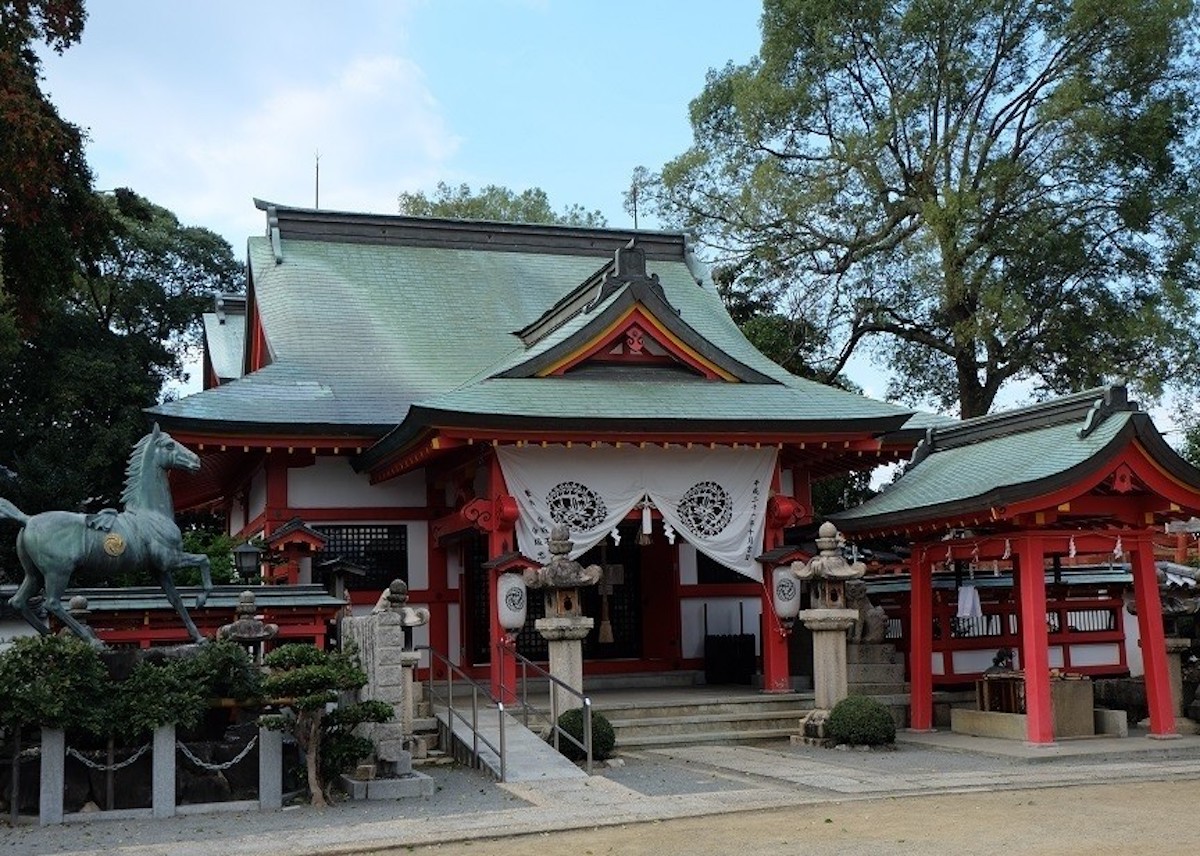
(715, 498)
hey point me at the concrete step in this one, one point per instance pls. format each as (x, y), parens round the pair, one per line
(722, 737)
(696, 725)
(730, 708)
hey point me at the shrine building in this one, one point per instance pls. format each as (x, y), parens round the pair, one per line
(424, 398)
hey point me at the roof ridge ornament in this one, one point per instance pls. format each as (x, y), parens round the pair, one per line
(1115, 399)
(629, 268)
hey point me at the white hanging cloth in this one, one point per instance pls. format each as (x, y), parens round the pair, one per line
(715, 498)
(968, 603)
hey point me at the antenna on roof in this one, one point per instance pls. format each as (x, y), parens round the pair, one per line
(317, 189)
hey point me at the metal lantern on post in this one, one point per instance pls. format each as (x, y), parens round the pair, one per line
(247, 559)
(511, 603)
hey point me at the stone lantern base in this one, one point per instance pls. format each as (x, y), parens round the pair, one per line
(565, 635)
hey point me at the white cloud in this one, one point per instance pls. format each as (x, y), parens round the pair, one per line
(378, 128)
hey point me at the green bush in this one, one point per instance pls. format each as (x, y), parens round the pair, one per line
(861, 721)
(603, 736)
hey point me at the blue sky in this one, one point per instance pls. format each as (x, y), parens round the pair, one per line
(203, 106)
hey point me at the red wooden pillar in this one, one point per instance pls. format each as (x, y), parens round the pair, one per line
(775, 667)
(1154, 644)
(1035, 656)
(501, 539)
(920, 645)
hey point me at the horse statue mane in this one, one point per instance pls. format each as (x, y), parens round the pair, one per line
(55, 545)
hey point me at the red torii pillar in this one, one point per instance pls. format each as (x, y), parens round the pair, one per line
(1154, 644)
(1035, 656)
(920, 631)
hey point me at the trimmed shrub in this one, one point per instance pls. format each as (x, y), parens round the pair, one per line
(861, 721)
(603, 736)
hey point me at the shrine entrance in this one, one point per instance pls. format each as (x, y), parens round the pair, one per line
(629, 605)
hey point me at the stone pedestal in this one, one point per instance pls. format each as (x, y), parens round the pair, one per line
(1176, 648)
(53, 777)
(829, 628)
(380, 638)
(565, 635)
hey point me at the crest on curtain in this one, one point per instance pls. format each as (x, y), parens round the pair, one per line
(714, 498)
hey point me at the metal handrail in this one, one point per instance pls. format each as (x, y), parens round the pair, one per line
(525, 665)
(476, 688)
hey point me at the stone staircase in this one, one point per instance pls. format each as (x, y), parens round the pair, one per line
(679, 721)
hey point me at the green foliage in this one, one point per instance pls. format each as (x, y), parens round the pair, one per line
(861, 721)
(309, 677)
(224, 670)
(44, 177)
(214, 542)
(495, 203)
(604, 739)
(51, 681)
(120, 323)
(976, 193)
(62, 682)
(153, 695)
(341, 749)
(306, 680)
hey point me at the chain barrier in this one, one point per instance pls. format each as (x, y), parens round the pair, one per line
(104, 768)
(217, 768)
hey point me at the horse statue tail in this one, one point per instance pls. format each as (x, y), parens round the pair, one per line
(8, 511)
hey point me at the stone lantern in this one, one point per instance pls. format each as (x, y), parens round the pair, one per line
(247, 627)
(827, 573)
(565, 625)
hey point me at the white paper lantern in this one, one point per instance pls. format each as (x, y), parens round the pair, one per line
(786, 590)
(511, 602)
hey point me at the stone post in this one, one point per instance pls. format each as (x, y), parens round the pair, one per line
(829, 628)
(53, 777)
(270, 769)
(565, 637)
(1176, 648)
(383, 639)
(406, 713)
(827, 574)
(564, 625)
(163, 779)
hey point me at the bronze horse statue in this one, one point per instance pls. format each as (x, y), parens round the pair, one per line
(54, 545)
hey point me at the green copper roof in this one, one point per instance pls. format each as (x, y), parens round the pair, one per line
(367, 316)
(979, 464)
(224, 335)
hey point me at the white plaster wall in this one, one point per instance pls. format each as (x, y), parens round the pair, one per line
(938, 663)
(687, 564)
(1133, 646)
(305, 566)
(1054, 656)
(418, 554)
(237, 517)
(454, 628)
(332, 483)
(787, 483)
(12, 630)
(1096, 654)
(257, 502)
(454, 567)
(723, 618)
